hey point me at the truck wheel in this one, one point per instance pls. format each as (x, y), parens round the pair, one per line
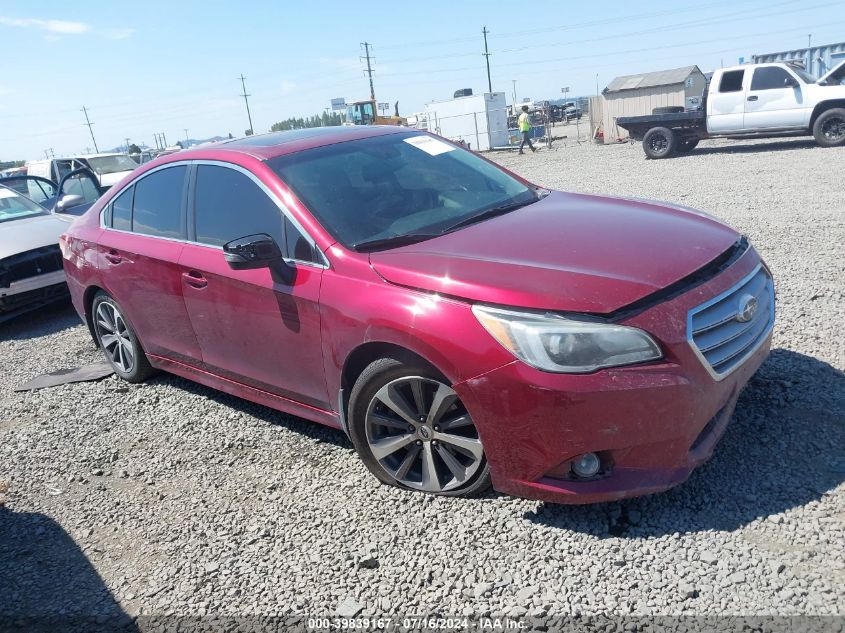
(829, 128)
(667, 110)
(686, 144)
(659, 142)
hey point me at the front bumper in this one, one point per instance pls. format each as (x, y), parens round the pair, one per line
(651, 424)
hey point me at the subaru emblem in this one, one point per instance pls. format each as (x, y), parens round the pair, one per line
(746, 309)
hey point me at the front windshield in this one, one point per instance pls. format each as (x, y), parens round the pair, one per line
(111, 164)
(14, 206)
(396, 185)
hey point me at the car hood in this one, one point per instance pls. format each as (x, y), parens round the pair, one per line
(567, 252)
(836, 73)
(26, 234)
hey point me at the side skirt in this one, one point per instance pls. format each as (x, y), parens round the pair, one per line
(285, 405)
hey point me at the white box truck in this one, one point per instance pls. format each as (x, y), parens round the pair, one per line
(480, 121)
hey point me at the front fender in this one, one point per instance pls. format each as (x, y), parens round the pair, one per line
(357, 309)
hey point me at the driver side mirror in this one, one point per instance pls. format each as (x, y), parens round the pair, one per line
(789, 82)
(252, 251)
(69, 200)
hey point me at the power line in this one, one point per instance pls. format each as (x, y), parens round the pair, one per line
(90, 129)
(569, 27)
(369, 70)
(246, 100)
(484, 32)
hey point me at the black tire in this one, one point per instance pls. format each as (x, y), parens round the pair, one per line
(119, 352)
(659, 142)
(668, 110)
(829, 128)
(686, 144)
(363, 401)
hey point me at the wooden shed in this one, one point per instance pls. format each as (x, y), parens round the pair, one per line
(634, 95)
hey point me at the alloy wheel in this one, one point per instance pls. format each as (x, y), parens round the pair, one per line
(421, 435)
(659, 143)
(113, 333)
(834, 129)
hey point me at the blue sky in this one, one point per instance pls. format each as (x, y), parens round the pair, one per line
(149, 67)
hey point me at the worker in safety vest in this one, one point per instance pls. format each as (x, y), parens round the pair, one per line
(524, 123)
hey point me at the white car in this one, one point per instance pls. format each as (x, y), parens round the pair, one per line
(109, 167)
(31, 271)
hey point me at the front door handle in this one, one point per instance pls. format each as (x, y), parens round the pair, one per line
(194, 279)
(753, 98)
(113, 257)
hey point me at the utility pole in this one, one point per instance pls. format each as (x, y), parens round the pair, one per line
(186, 135)
(369, 70)
(52, 153)
(90, 129)
(246, 100)
(46, 155)
(484, 32)
(127, 144)
(514, 91)
(163, 141)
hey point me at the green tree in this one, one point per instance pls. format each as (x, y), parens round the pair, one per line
(134, 149)
(326, 119)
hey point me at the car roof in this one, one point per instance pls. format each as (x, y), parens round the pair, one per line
(265, 146)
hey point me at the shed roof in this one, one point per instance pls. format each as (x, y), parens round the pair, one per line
(649, 80)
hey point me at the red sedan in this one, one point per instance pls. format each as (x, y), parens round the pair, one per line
(463, 326)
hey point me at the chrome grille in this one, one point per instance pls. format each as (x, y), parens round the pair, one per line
(725, 330)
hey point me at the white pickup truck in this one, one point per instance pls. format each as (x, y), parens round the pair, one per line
(753, 101)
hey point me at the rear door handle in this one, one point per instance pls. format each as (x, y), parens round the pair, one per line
(194, 279)
(753, 98)
(113, 257)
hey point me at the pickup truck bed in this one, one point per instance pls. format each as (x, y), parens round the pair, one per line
(639, 125)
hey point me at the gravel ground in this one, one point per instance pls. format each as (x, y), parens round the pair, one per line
(171, 498)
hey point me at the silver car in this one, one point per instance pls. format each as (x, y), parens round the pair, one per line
(31, 272)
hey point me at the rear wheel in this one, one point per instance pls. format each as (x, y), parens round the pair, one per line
(659, 142)
(412, 431)
(829, 128)
(118, 341)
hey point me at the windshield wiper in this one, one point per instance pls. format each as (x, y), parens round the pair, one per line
(392, 242)
(490, 213)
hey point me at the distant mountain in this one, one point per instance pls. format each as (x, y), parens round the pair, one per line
(189, 143)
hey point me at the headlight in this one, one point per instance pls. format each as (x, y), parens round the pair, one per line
(558, 344)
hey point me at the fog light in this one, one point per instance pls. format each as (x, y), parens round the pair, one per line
(586, 465)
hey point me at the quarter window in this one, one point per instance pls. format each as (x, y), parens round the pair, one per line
(771, 78)
(122, 210)
(229, 205)
(731, 81)
(158, 209)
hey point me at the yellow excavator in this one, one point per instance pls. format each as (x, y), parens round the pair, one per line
(365, 113)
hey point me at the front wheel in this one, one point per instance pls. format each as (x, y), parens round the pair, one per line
(118, 340)
(829, 128)
(412, 430)
(659, 142)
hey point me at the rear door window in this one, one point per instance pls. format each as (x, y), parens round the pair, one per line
(159, 203)
(121, 215)
(229, 205)
(732, 81)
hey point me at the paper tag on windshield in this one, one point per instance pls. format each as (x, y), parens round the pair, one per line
(429, 145)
